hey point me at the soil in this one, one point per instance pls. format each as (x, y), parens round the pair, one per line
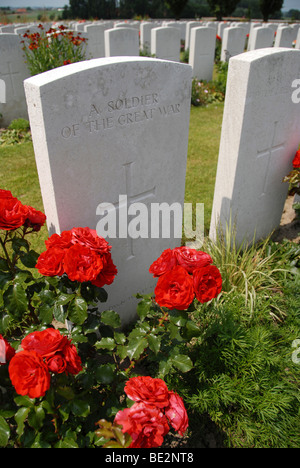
(290, 225)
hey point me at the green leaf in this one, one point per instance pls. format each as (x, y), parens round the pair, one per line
(111, 318)
(120, 338)
(65, 443)
(60, 313)
(106, 343)
(77, 311)
(182, 362)
(45, 313)
(36, 418)
(17, 244)
(154, 343)
(4, 279)
(15, 300)
(80, 408)
(4, 432)
(122, 351)
(105, 374)
(165, 365)
(143, 308)
(178, 317)
(136, 347)
(29, 259)
(24, 400)
(20, 418)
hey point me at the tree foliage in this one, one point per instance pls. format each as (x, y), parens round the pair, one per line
(269, 7)
(176, 6)
(222, 7)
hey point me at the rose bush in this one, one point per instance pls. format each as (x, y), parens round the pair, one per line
(66, 362)
(183, 274)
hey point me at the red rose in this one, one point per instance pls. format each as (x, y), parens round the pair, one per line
(207, 283)
(45, 343)
(35, 219)
(50, 262)
(296, 161)
(12, 213)
(174, 289)
(82, 263)
(191, 258)
(107, 274)
(7, 352)
(56, 364)
(73, 360)
(148, 390)
(164, 263)
(176, 413)
(63, 241)
(5, 194)
(59, 353)
(29, 374)
(146, 424)
(89, 238)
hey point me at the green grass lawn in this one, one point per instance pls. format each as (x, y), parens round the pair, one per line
(18, 171)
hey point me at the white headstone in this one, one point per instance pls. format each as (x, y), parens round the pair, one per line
(260, 136)
(285, 37)
(9, 29)
(261, 38)
(297, 45)
(109, 127)
(121, 42)
(165, 43)
(202, 52)
(95, 40)
(13, 71)
(233, 43)
(145, 37)
(189, 26)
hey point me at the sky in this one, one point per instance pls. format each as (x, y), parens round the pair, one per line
(288, 4)
(34, 3)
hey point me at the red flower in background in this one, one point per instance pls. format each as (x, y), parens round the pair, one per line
(296, 161)
(7, 352)
(13, 214)
(35, 219)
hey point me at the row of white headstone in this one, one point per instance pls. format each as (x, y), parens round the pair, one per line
(119, 126)
(123, 40)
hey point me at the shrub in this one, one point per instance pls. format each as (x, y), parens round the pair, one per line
(46, 50)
